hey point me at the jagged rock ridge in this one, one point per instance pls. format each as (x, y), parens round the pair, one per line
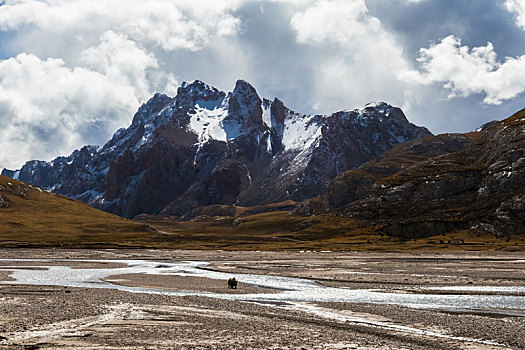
(205, 147)
(439, 184)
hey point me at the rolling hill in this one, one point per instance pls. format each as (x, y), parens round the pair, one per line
(33, 217)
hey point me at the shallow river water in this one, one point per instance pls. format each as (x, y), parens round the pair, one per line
(291, 289)
(292, 293)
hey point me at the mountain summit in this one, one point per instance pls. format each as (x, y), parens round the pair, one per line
(206, 146)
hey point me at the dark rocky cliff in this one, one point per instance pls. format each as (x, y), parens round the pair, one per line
(206, 147)
(439, 184)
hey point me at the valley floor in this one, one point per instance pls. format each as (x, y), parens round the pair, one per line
(65, 317)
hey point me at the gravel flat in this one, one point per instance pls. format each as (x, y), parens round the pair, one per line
(188, 283)
(51, 317)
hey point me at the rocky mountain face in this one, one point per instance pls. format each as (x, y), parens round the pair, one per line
(439, 184)
(206, 147)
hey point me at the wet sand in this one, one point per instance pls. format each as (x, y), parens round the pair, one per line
(4, 276)
(186, 283)
(50, 317)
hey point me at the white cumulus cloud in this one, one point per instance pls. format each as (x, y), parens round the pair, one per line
(76, 70)
(518, 8)
(360, 59)
(466, 71)
(47, 108)
(73, 71)
(168, 24)
(334, 20)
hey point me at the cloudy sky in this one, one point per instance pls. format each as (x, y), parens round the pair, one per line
(74, 71)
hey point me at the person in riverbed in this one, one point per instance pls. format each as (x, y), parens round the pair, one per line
(232, 283)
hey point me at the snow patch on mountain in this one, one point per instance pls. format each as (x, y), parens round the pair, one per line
(210, 121)
(267, 121)
(208, 124)
(300, 131)
(267, 113)
(371, 110)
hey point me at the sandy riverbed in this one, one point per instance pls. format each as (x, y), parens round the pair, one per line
(181, 283)
(49, 317)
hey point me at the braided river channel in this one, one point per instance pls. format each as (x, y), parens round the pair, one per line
(293, 293)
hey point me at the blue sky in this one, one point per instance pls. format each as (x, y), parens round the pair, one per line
(74, 71)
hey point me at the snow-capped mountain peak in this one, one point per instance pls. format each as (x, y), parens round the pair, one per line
(197, 92)
(205, 146)
(149, 110)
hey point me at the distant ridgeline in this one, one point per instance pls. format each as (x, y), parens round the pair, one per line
(205, 147)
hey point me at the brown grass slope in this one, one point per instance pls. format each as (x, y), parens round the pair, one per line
(32, 217)
(283, 231)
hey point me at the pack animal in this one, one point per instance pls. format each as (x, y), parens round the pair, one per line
(232, 283)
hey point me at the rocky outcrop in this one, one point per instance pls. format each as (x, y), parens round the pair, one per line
(356, 184)
(4, 203)
(9, 187)
(207, 147)
(441, 184)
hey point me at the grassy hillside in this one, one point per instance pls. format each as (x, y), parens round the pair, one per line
(282, 231)
(31, 217)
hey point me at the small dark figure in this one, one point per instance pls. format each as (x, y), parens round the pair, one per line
(232, 283)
